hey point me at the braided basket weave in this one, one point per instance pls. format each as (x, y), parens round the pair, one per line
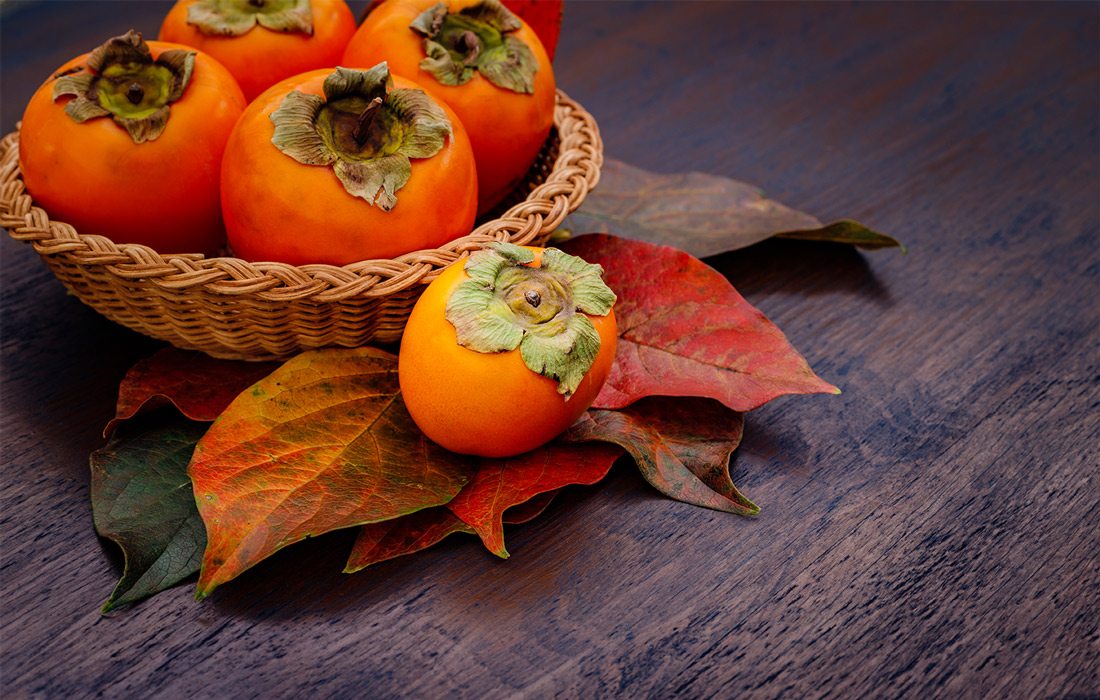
(233, 309)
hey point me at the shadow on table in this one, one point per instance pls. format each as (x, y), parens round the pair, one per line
(306, 579)
(804, 268)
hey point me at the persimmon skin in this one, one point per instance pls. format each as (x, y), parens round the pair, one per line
(507, 129)
(260, 57)
(486, 404)
(162, 193)
(277, 209)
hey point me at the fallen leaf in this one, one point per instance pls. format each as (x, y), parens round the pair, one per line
(530, 509)
(849, 232)
(544, 18)
(143, 502)
(681, 446)
(685, 331)
(322, 443)
(502, 483)
(390, 539)
(198, 385)
(701, 214)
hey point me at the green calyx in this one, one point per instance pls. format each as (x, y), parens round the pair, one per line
(541, 310)
(477, 38)
(236, 17)
(121, 80)
(365, 130)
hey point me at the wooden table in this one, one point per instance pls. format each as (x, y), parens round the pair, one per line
(931, 532)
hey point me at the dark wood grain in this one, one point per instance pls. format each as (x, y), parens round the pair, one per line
(931, 532)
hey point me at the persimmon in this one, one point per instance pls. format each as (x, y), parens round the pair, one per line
(485, 63)
(506, 350)
(338, 166)
(263, 41)
(544, 16)
(126, 142)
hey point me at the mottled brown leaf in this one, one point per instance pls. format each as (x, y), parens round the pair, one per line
(323, 443)
(685, 331)
(701, 214)
(681, 446)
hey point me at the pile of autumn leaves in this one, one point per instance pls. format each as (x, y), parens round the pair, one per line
(243, 459)
(323, 442)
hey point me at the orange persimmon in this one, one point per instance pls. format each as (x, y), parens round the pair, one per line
(507, 349)
(126, 142)
(485, 63)
(338, 166)
(263, 41)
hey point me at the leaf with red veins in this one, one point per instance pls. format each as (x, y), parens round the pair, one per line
(682, 447)
(198, 385)
(502, 483)
(685, 331)
(323, 443)
(529, 510)
(390, 539)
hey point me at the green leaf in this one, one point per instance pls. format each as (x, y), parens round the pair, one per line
(701, 214)
(427, 127)
(375, 181)
(142, 500)
(849, 232)
(506, 303)
(590, 293)
(511, 66)
(238, 17)
(295, 133)
(476, 37)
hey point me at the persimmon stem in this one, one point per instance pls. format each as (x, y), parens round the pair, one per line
(256, 3)
(362, 126)
(532, 297)
(470, 44)
(135, 93)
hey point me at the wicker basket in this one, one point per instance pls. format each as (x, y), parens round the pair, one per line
(230, 308)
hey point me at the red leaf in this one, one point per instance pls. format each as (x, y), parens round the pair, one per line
(544, 18)
(529, 510)
(322, 443)
(681, 446)
(500, 484)
(196, 384)
(389, 539)
(685, 331)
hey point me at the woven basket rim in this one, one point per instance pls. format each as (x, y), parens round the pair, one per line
(576, 170)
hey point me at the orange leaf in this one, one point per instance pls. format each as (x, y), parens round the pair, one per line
(322, 443)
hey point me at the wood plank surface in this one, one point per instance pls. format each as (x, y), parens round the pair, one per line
(932, 532)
